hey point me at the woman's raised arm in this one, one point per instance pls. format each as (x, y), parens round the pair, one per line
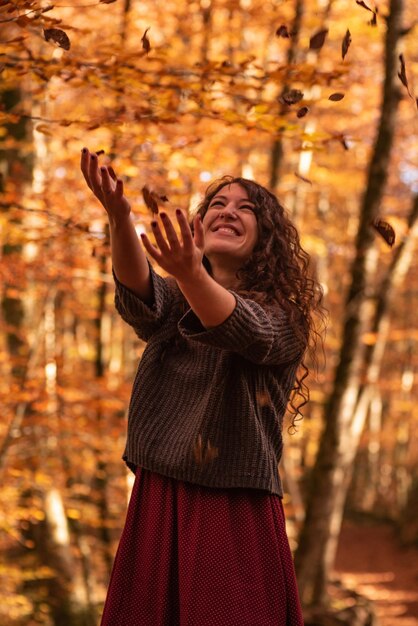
(128, 258)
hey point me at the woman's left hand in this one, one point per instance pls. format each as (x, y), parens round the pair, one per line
(182, 259)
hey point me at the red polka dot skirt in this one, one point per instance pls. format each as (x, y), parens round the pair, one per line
(198, 556)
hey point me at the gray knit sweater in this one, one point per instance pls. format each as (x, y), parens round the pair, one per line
(207, 405)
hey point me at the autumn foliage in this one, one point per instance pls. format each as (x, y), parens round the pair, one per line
(173, 95)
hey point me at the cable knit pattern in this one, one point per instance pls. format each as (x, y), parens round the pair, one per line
(207, 405)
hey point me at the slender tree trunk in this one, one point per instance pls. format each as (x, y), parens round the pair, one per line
(277, 148)
(327, 491)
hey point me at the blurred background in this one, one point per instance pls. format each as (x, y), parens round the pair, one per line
(313, 99)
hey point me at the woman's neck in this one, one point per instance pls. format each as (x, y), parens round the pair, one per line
(224, 275)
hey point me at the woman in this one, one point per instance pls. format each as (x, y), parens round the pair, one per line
(204, 542)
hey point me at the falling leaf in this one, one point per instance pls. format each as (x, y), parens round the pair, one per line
(346, 43)
(282, 32)
(146, 42)
(44, 129)
(58, 36)
(364, 5)
(373, 21)
(305, 180)
(402, 74)
(291, 97)
(385, 230)
(336, 97)
(302, 112)
(99, 152)
(150, 199)
(344, 143)
(317, 41)
(164, 199)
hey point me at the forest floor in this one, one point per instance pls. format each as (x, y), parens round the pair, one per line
(371, 561)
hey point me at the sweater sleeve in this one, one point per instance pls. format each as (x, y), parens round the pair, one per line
(145, 318)
(260, 334)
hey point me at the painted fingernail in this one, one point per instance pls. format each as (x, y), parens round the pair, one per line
(153, 223)
(103, 169)
(94, 157)
(84, 150)
(178, 212)
(163, 215)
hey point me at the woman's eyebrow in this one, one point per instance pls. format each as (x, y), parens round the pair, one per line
(225, 198)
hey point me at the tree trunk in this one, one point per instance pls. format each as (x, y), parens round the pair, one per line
(277, 148)
(327, 490)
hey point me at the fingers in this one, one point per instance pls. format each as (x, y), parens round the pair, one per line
(152, 250)
(108, 186)
(94, 175)
(199, 232)
(170, 232)
(186, 233)
(84, 165)
(161, 242)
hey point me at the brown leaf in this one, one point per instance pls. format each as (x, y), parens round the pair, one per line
(58, 36)
(344, 143)
(146, 42)
(164, 199)
(204, 455)
(210, 453)
(305, 180)
(197, 450)
(263, 398)
(302, 112)
(346, 43)
(364, 5)
(402, 74)
(291, 97)
(282, 32)
(99, 152)
(373, 21)
(150, 199)
(317, 41)
(336, 97)
(385, 230)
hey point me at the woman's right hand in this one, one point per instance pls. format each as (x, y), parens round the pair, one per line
(107, 188)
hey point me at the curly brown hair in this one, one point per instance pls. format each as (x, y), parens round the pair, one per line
(278, 272)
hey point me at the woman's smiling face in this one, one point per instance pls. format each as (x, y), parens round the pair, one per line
(230, 224)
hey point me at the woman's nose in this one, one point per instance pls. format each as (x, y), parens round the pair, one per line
(229, 209)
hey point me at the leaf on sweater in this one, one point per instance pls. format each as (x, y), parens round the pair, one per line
(203, 454)
(263, 398)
